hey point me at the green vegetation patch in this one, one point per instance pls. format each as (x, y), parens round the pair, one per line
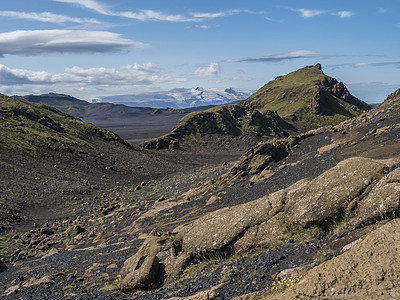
(228, 119)
(308, 97)
(33, 128)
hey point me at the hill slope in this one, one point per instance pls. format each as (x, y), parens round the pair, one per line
(229, 119)
(33, 128)
(308, 98)
(65, 103)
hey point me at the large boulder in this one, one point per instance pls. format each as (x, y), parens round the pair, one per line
(306, 202)
(382, 202)
(369, 270)
(140, 271)
(329, 194)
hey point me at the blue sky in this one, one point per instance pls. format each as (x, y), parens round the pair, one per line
(92, 48)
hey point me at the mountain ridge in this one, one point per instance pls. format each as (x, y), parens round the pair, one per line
(308, 98)
(304, 99)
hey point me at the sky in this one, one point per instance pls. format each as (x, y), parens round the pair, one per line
(94, 48)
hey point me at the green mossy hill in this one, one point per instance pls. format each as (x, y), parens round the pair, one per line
(229, 119)
(65, 103)
(308, 99)
(35, 128)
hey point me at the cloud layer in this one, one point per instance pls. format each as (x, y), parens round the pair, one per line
(46, 17)
(147, 15)
(125, 75)
(310, 13)
(64, 41)
(280, 57)
(365, 64)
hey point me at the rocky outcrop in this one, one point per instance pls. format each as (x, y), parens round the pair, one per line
(370, 270)
(356, 188)
(260, 222)
(382, 202)
(391, 99)
(266, 154)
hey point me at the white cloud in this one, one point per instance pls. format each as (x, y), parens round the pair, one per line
(365, 64)
(280, 57)
(382, 10)
(64, 41)
(151, 15)
(209, 15)
(77, 78)
(211, 70)
(90, 4)
(202, 26)
(46, 17)
(147, 15)
(146, 68)
(344, 14)
(309, 13)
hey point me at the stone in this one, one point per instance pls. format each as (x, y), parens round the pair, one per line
(74, 230)
(383, 201)
(369, 270)
(329, 194)
(141, 270)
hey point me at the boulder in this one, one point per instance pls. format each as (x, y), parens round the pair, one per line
(382, 202)
(74, 230)
(140, 271)
(327, 196)
(369, 270)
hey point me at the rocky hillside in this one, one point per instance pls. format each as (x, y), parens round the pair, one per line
(305, 99)
(308, 98)
(231, 120)
(393, 98)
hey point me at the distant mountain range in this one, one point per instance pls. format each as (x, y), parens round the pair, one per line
(134, 124)
(180, 98)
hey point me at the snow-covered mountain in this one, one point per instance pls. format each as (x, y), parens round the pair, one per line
(180, 98)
